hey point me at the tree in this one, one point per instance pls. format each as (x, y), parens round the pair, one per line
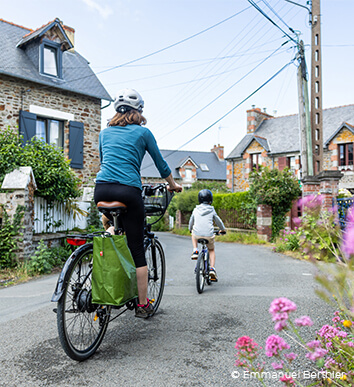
(276, 188)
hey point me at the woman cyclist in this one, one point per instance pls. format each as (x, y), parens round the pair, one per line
(122, 146)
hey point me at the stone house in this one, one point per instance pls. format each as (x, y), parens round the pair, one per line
(48, 90)
(275, 142)
(188, 166)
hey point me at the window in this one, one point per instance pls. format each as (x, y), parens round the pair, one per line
(188, 174)
(345, 154)
(290, 163)
(204, 167)
(50, 59)
(50, 131)
(256, 161)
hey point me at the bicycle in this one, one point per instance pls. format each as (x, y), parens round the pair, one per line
(202, 268)
(82, 324)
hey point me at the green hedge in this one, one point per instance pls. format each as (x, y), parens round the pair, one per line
(236, 209)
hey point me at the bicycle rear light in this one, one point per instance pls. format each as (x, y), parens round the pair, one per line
(76, 241)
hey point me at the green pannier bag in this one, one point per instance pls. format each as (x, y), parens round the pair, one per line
(113, 274)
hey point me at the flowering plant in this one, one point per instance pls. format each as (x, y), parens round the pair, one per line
(332, 351)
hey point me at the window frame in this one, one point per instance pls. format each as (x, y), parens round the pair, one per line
(58, 57)
(47, 122)
(258, 158)
(346, 153)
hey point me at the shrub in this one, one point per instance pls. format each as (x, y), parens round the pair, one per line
(45, 259)
(9, 231)
(54, 178)
(276, 188)
(94, 217)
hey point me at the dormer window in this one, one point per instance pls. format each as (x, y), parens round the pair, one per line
(50, 59)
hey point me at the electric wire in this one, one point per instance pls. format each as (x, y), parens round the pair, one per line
(227, 113)
(272, 21)
(224, 92)
(175, 44)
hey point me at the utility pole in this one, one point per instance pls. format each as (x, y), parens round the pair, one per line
(316, 87)
(304, 115)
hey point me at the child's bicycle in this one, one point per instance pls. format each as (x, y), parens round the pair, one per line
(202, 268)
(82, 324)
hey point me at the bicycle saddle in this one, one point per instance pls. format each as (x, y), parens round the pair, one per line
(111, 206)
(202, 240)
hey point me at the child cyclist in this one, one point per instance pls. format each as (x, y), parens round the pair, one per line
(201, 225)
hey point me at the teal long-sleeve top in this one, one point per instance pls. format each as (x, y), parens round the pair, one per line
(122, 149)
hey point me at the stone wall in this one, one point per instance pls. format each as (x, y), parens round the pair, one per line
(17, 94)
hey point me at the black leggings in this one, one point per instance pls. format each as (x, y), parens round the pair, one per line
(133, 219)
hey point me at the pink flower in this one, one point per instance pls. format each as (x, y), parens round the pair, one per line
(280, 325)
(348, 241)
(247, 348)
(287, 380)
(303, 321)
(290, 356)
(278, 366)
(310, 201)
(314, 344)
(281, 305)
(274, 344)
(317, 354)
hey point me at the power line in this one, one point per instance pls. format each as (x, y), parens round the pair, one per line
(224, 92)
(160, 50)
(206, 77)
(229, 112)
(276, 14)
(175, 44)
(272, 21)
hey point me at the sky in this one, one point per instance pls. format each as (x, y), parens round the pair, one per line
(196, 62)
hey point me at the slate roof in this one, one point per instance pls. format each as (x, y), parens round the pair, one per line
(283, 133)
(16, 62)
(217, 168)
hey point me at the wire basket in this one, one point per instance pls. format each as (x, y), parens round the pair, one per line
(156, 200)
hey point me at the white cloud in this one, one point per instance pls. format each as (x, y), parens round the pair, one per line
(104, 11)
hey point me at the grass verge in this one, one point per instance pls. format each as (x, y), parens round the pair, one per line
(236, 237)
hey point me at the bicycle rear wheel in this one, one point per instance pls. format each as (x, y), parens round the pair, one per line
(208, 281)
(199, 273)
(81, 324)
(155, 259)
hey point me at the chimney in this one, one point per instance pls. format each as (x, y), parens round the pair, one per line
(219, 151)
(70, 32)
(254, 118)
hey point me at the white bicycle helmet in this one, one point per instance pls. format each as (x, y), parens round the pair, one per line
(128, 99)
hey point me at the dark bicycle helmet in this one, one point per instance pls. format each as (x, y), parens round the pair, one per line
(205, 196)
(128, 99)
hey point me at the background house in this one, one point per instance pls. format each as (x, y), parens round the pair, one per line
(188, 166)
(275, 142)
(48, 90)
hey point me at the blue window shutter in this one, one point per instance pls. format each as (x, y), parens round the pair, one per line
(28, 122)
(76, 144)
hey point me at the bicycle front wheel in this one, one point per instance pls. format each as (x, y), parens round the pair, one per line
(199, 273)
(81, 324)
(155, 259)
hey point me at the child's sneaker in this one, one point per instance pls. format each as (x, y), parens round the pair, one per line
(195, 255)
(144, 311)
(212, 275)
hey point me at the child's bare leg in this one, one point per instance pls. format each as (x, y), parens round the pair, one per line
(195, 243)
(212, 257)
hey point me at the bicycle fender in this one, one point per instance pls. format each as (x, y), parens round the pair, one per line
(60, 286)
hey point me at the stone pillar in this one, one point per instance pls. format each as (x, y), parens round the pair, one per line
(178, 219)
(20, 186)
(264, 222)
(325, 183)
(329, 181)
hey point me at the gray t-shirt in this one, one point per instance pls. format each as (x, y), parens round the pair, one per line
(202, 220)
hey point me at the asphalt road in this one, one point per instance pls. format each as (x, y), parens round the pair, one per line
(189, 342)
